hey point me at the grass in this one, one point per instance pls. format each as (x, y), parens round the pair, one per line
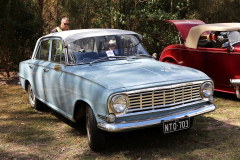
(29, 134)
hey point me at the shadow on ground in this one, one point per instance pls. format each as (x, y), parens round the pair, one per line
(151, 142)
(228, 96)
(12, 80)
(206, 134)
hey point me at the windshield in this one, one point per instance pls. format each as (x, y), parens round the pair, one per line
(90, 49)
(234, 37)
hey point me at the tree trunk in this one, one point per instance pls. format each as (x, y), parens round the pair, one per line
(135, 20)
(5, 62)
(40, 4)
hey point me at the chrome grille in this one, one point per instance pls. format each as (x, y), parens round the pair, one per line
(163, 98)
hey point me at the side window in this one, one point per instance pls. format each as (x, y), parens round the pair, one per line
(205, 40)
(43, 50)
(57, 51)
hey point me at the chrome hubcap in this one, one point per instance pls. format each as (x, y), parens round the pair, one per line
(88, 128)
(31, 96)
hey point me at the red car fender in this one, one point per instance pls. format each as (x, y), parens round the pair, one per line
(171, 56)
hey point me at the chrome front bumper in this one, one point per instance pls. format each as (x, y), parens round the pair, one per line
(137, 124)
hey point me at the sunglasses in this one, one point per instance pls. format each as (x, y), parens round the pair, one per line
(66, 24)
(111, 45)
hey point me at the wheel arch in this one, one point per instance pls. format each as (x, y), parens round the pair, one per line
(170, 59)
(80, 109)
(26, 83)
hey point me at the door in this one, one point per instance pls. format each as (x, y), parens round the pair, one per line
(40, 60)
(234, 65)
(213, 62)
(53, 74)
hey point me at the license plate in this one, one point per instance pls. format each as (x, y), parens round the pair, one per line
(176, 125)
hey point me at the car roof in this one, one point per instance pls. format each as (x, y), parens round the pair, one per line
(72, 35)
(195, 32)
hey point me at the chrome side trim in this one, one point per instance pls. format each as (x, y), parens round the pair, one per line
(137, 124)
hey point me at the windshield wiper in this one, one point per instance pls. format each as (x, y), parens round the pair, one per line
(143, 55)
(100, 59)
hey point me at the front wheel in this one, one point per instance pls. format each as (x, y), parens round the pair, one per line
(34, 102)
(96, 137)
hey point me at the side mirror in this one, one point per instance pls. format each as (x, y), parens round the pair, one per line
(57, 67)
(154, 56)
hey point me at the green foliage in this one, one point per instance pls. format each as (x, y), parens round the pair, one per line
(22, 22)
(215, 11)
(147, 16)
(20, 28)
(144, 17)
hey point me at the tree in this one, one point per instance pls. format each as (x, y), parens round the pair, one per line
(143, 16)
(23, 21)
(20, 28)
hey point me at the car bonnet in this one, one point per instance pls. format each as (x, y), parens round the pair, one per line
(136, 74)
(185, 25)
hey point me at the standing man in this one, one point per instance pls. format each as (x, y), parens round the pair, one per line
(63, 27)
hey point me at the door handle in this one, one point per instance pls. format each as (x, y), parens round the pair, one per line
(31, 66)
(45, 70)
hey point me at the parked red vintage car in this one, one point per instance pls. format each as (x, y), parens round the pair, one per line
(211, 48)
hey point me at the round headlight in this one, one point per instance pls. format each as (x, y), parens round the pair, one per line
(119, 103)
(207, 89)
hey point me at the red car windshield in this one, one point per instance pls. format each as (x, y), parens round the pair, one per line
(234, 37)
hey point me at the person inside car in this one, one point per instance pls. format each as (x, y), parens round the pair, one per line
(112, 45)
(216, 41)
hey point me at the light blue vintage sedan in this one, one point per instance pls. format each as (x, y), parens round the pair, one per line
(107, 76)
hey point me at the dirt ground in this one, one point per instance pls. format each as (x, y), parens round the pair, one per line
(29, 134)
(12, 80)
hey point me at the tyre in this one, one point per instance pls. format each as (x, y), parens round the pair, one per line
(96, 136)
(34, 102)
